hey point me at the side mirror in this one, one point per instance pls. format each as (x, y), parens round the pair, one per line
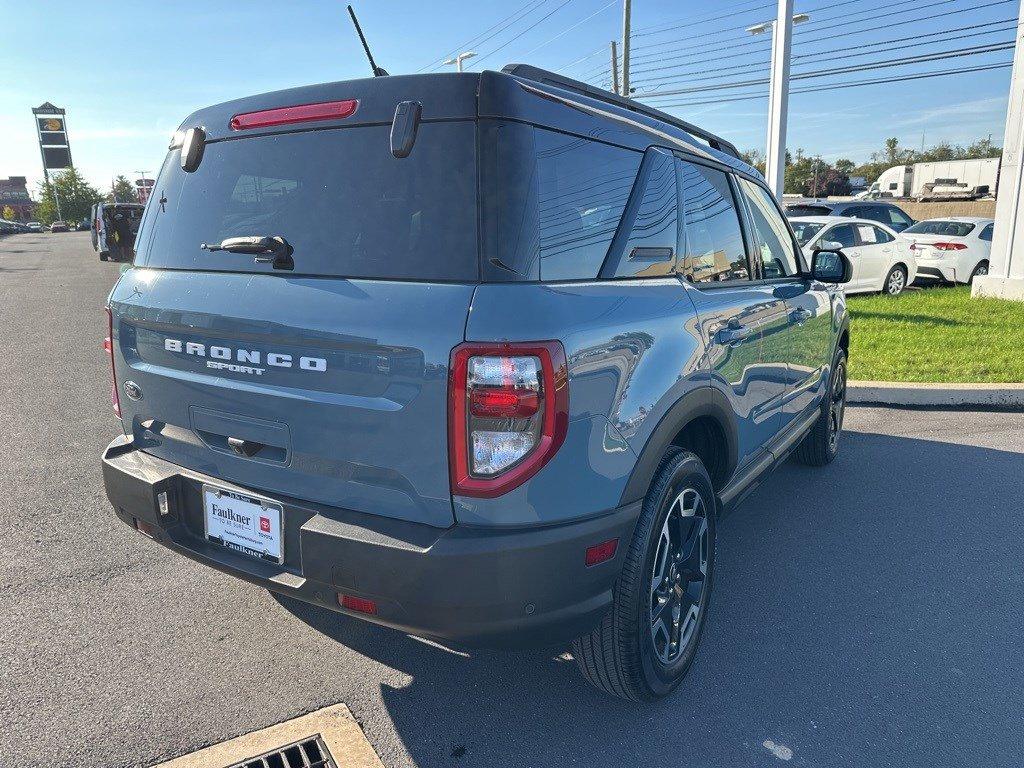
(192, 149)
(831, 265)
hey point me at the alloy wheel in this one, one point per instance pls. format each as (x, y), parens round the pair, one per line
(896, 283)
(678, 576)
(837, 406)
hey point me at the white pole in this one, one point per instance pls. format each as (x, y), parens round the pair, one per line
(778, 98)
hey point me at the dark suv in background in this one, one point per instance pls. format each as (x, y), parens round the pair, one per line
(480, 357)
(887, 213)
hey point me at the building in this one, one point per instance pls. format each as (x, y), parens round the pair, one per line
(14, 193)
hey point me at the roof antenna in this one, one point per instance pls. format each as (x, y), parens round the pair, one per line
(377, 71)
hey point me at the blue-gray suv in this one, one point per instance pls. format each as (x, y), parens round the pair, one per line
(480, 357)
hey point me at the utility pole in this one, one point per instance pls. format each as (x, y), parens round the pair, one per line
(457, 60)
(778, 92)
(615, 69)
(626, 12)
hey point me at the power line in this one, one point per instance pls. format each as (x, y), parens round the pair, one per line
(523, 32)
(885, 63)
(850, 84)
(571, 27)
(805, 29)
(932, 38)
(524, 9)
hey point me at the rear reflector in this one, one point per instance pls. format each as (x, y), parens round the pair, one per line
(146, 529)
(301, 113)
(357, 604)
(599, 553)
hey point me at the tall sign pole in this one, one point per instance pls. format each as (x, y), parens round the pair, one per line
(778, 98)
(1005, 278)
(52, 131)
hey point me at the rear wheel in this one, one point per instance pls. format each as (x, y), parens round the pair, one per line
(822, 443)
(895, 281)
(645, 644)
(979, 271)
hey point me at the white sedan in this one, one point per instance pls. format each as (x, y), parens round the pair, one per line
(882, 260)
(953, 250)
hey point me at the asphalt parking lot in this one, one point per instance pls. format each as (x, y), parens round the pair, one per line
(867, 614)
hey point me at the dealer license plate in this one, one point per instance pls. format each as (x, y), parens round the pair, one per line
(244, 523)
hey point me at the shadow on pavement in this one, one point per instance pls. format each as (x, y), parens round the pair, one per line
(860, 617)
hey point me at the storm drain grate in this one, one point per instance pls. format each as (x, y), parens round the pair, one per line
(308, 753)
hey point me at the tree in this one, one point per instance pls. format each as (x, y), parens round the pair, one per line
(123, 191)
(7, 214)
(75, 195)
(845, 167)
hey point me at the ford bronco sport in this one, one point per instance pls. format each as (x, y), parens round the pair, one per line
(481, 357)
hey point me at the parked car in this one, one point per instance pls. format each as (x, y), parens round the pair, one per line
(882, 259)
(34, 226)
(83, 225)
(116, 224)
(955, 249)
(309, 404)
(60, 226)
(888, 214)
(8, 227)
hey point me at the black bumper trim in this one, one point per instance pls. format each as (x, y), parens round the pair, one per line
(463, 585)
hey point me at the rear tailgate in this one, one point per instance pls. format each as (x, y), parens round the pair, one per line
(325, 380)
(340, 386)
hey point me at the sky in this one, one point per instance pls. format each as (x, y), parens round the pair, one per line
(128, 72)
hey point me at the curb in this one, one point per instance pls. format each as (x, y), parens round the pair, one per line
(935, 395)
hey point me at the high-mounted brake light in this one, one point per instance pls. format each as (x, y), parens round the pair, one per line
(300, 113)
(508, 414)
(108, 346)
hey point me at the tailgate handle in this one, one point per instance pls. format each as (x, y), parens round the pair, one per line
(247, 448)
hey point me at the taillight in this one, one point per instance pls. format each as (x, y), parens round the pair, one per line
(108, 345)
(508, 414)
(300, 113)
(949, 246)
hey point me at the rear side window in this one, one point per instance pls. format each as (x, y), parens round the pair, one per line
(844, 234)
(986, 233)
(774, 242)
(341, 200)
(713, 249)
(645, 245)
(551, 203)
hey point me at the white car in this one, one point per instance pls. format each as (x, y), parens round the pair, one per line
(882, 260)
(954, 249)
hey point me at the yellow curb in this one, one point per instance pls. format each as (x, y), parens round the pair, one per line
(334, 725)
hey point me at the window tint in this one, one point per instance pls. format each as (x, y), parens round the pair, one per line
(341, 200)
(551, 203)
(713, 242)
(896, 217)
(986, 233)
(940, 227)
(843, 234)
(883, 236)
(646, 243)
(808, 210)
(805, 230)
(774, 243)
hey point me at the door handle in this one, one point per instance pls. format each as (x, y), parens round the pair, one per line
(733, 334)
(800, 315)
(887, 250)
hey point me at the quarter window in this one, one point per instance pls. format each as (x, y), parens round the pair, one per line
(986, 233)
(773, 240)
(713, 241)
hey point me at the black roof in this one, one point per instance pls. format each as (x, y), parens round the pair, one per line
(520, 92)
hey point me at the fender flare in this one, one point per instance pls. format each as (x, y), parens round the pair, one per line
(705, 401)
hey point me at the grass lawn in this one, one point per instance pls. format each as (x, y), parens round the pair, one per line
(936, 334)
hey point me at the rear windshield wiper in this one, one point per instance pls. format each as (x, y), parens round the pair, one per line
(267, 250)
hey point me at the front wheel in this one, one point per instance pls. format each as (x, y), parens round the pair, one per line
(646, 642)
(895, 281)
(822, 443)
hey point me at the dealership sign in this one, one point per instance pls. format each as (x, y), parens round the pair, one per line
(52, 129)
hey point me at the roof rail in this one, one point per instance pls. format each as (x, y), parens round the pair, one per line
(529, 72)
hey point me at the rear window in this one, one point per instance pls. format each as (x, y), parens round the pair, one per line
(808, 210)
(946, 228)
(339, 197)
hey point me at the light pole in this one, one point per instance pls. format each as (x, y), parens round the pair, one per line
(457, 60)
(778, 92)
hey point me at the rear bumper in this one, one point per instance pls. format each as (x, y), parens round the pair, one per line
(936, 272)
(462, 585)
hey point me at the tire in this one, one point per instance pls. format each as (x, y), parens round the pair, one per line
(979, 271)
(895, 282)
(822, 443)
(630, 654)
